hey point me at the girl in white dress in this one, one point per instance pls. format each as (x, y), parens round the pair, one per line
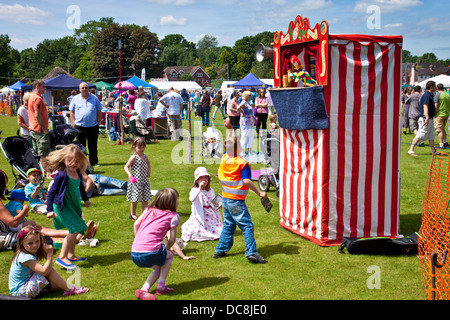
(205, 222)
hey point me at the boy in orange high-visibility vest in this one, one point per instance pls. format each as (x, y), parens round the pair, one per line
(235, 176)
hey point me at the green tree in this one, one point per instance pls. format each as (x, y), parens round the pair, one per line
(175, 40)
(429, 57)
(248, 45)
(140, 49)
(85, 70)
(242, 66)
(224, 58)
(207, 51)
(6, 59)
(86, 33)
(171, 54)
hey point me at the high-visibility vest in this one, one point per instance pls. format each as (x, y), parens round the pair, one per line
(233, 187)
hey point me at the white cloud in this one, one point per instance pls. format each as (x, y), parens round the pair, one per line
(387, 6)
(173, 2)
(23, 14)
(172, 21)
(314, 4)
(393, 26)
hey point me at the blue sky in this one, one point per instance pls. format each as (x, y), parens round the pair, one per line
(424, 24)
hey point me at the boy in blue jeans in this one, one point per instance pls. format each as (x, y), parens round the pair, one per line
(235, 177)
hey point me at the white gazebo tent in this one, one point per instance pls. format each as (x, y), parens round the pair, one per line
(178, 85)
(6, 90)
(444, 79)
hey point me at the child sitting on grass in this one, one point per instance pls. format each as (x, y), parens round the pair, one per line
(35, 192)
(27, 277)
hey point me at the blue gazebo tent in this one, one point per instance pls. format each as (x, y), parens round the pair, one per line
(19, 85)
(248, 82)
(139, 82)
(65, 82)
(61, 82)
(149, 88)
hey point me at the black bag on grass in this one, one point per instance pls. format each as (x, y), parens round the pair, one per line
(381, 245)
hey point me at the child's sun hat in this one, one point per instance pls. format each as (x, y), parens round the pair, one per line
(200, 172)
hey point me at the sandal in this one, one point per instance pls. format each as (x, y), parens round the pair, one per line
(78, 259)
(75, 290)
(412, 153)
(163, 290)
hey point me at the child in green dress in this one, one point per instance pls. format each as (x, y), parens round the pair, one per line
(64, 199)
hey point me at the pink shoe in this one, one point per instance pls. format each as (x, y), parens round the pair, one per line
(144, 295)
(163, 290)
(75, 290)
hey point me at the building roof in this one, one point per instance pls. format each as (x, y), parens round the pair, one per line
(57, 71)
(179, 70)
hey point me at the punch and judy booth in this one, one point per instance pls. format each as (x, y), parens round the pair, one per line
(340, 138)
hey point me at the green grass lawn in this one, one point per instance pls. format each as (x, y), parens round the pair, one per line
(297, 268)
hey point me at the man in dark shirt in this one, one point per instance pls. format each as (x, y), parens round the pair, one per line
(426, 123)
(185, 96)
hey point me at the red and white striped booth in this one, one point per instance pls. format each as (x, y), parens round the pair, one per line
(342, 181)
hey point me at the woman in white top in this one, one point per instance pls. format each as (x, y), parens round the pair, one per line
(22, 117)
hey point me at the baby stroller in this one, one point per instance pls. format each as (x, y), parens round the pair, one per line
(270, 146)
(62, 135)
(211, 147)
(22, 157)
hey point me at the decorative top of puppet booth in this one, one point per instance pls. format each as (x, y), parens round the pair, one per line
(312, 41)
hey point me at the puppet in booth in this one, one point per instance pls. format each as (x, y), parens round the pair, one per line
(298, 73)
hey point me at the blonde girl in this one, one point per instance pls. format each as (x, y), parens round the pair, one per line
(138, 170)
(27, 277)
(160, 219)
(64, 199)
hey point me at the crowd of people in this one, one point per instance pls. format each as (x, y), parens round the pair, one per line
(155, 227)
(425, 114)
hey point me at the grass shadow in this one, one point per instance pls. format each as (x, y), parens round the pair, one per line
(105, 260)
(285, 248)
(202, 283)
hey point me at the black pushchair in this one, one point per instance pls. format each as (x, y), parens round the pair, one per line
(62, 135)
(22, 157)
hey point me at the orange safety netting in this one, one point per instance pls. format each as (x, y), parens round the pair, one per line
(434, 233)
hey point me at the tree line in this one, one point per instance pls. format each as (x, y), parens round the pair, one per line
(92, 54)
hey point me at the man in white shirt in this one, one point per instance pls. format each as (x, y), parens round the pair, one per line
(175, 103)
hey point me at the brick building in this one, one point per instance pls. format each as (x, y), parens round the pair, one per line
(197, 72)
